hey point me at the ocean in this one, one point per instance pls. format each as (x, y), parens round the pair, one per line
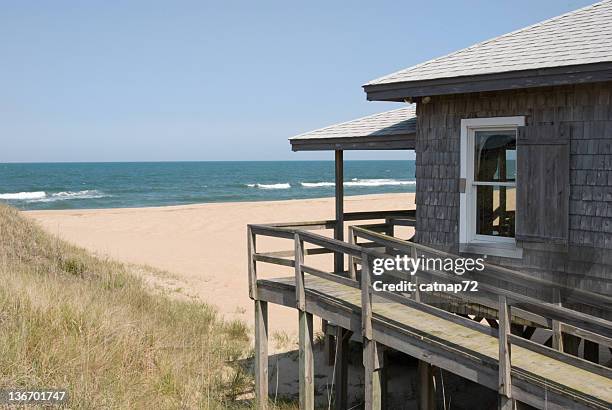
(139, 184)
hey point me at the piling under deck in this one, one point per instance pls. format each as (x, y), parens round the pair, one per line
(538, 380)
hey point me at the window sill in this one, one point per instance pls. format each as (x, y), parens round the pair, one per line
(503, 249)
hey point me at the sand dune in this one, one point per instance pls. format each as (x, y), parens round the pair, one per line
(204, 245)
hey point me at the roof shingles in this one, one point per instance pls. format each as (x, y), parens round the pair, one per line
(401, 121)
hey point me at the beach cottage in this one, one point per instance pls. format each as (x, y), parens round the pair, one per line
(513, 142)
(514, 147)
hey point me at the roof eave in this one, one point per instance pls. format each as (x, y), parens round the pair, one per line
(366, 143)
(541, 77)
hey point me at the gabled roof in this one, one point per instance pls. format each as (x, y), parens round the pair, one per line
(570, 44)
(394, 129)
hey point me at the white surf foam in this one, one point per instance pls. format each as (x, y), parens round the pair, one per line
(67, 195)
(360, 182)
(316, 184)
(41, 196)
(270, 186)
(24, 195)
(377, 182)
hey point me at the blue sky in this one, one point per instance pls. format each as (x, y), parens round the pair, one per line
(222, 80)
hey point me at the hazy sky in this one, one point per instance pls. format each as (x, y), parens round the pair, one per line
(222, 80)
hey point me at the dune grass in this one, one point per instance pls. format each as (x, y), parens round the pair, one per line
(74, 321)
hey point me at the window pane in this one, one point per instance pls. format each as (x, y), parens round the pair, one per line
(495, 210)
(495, 156)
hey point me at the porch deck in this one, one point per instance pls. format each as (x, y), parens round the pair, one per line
(519, 369)
(448, 345)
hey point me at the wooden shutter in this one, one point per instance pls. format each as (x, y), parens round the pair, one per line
(543, 189)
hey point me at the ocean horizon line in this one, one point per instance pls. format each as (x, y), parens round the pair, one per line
(197, 161)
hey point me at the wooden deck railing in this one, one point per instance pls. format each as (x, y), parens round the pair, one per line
(529, 308)
(508, 304)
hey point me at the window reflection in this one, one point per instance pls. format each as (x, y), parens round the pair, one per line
(495, 210)
(495, 156)
(495, 180)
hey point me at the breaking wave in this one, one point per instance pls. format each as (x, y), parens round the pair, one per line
(23, 195)
(316, 184)
(41, 196)
(377, 182)
(270, 186)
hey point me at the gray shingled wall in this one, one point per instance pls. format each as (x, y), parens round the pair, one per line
(587, 109)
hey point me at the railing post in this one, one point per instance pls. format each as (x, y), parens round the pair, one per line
(306, 363)
(351, 260)
(416, 295)
(389, 231)
(557, 335)
(261, 327)
(366, 297)
(371, 360)
(390, 227)
(252, 267)
(300, 296)
(505, 364)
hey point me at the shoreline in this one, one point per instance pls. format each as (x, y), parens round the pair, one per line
(347, 198)
(202, 246)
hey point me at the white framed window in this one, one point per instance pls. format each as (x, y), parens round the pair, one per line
(488, 186)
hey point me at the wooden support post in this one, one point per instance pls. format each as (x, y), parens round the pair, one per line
(505, 364)
(306, 362)
(591, 351)
(339, 228)
(381, 354)
(372, 382)
(252, 267)
(261, 354)
(426, 388)
(328, 341)
(343, 337)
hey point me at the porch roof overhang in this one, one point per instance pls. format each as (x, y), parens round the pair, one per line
(390, 130)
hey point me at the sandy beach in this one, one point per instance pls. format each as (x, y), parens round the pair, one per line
(203, 246)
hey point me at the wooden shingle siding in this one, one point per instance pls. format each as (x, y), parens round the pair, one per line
(586, 110)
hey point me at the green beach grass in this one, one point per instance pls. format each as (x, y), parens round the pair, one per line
(73, 321)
